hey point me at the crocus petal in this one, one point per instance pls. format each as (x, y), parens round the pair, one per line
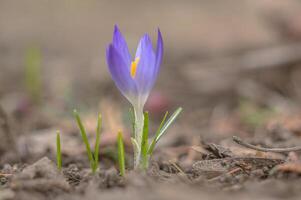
(159, 52)
(120, 73)
(121, 46)
(134, 79)
(145, 76)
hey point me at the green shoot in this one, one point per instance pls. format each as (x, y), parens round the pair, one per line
(152, 146)
(162, 130)
(33, 80)
(85, 140)
(96, 148)
(144, 143)
(93, 157)
(121, 158)
(58, 151)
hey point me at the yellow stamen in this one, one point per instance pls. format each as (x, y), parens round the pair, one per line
(134, 66)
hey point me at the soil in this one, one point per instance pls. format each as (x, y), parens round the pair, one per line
(234, 67)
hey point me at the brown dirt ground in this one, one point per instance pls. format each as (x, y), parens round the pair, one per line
(234, 66)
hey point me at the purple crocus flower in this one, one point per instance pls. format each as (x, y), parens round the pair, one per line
(136, 76)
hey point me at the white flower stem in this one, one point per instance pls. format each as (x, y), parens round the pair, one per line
(139, 121)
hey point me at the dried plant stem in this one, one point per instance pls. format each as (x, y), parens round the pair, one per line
(276, 150)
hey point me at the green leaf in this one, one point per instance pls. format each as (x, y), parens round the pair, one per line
(144, 142)
(152, 146)
(58, 151)
(164, 128)
(121, 154)
(85, 138)
(96, 148)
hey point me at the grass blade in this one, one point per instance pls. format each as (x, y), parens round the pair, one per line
(144, 142)
(58, 151)
(96, 148)
(152, 146)
(165, 126)
(168, 123)
(121, 158)
(85, 138)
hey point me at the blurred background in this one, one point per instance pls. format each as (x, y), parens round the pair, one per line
(234, 66)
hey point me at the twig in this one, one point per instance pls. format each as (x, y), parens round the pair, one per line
(5, 175)
(177, 167)
(223, 175)
(277, 150)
